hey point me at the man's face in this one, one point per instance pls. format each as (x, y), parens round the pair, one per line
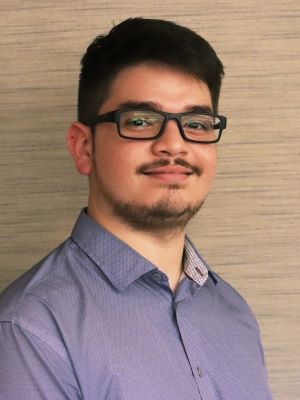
(140, 182)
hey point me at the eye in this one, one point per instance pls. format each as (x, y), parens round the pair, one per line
(198, 123)
(195, 125)
(139, 122)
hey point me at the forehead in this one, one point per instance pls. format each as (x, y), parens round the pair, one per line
(172, 90)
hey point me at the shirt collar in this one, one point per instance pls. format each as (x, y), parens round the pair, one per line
(121, 264)
(194, 264)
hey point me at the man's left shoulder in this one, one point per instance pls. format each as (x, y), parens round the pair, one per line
(231, 309)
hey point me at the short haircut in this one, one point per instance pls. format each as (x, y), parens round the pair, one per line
(138, 40)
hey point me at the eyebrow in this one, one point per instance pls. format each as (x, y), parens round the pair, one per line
(150, 105)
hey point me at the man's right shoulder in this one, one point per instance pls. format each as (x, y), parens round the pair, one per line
(36, 280)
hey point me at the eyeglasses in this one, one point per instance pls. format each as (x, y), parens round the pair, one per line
(196, 127)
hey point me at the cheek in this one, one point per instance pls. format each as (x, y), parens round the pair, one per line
(116, 162)
(213, 166)
(209, 161)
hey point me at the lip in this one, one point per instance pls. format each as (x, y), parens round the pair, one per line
(169, 173)
(169, 170)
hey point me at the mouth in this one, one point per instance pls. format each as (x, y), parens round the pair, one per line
(170, 174)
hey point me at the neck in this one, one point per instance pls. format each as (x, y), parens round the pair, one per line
(162, 248)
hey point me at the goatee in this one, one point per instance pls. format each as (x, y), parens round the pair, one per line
(160, 217)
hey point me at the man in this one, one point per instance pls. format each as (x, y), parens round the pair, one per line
(126, 308)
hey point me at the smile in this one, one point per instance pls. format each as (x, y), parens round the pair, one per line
(169, 174)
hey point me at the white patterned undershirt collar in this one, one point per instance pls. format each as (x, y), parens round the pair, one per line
(193, 266)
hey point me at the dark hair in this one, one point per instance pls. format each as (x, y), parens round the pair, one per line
(137, 40)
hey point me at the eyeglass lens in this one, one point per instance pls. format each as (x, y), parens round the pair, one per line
(147, 124)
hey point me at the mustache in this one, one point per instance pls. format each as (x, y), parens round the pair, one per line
(144, 168)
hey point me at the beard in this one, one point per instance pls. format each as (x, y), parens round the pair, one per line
(164, 216)
(168, 215)
(157, 218)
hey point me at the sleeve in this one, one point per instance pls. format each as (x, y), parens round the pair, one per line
(31, 369)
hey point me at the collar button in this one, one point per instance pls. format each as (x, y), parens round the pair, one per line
(156, 276)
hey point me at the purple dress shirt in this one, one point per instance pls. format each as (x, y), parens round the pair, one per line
(95, 320)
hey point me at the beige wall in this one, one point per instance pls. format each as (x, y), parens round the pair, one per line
(249, 227)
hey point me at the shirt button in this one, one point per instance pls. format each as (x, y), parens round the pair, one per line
(157, 277)
(200, 372)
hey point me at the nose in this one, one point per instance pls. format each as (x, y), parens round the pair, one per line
(170, 143)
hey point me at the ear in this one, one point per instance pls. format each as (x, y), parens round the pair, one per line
(80, 143)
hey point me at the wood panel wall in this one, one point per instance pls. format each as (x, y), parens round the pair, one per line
(249, 227)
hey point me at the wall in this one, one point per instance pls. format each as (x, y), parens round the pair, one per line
(249, 226)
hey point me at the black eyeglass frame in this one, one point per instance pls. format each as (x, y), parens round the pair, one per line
(114, 116)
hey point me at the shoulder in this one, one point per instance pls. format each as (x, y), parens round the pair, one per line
(234, 307)
(38, 282)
